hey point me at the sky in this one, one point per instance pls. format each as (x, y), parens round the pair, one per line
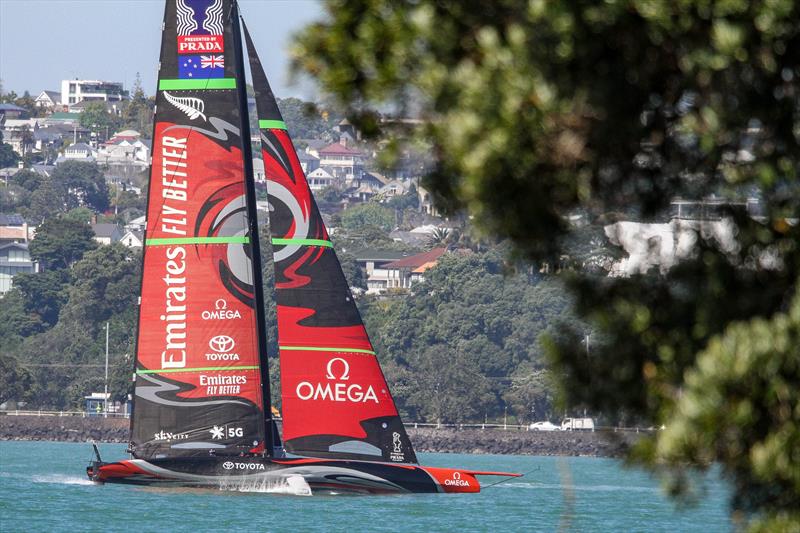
(45, 41)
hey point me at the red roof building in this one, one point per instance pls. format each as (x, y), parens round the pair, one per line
(343, 163)
(403, 273)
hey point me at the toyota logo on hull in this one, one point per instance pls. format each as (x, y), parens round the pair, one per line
(230, 465)
(221, 343)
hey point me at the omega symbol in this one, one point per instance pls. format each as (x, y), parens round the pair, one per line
(345, 369)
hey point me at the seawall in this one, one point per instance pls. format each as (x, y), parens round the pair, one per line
(490, 441)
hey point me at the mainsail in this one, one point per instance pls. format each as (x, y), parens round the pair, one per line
(335, 400)
(200, 383)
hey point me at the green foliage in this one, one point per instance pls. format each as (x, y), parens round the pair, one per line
(44, 294)
(306, 121)
(14, 380)
(138, 113)
(8, 157)
(362, 216)
(410, 200)
(73, 184)
(537, 110)
(85, 184)
(457, 367)
(103, 288)
(61, 241)
(96, 118)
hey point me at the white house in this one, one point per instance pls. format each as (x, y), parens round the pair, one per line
(319, 179)
(78, 152)
(74, 91)
(133, 239)
(48, 99)
(106, 233)
(14, 259)
(341, 162)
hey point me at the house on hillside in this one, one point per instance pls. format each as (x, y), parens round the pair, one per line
(137, 224)
(319, 179)
(12, 111)
(13, 228)
(49, 100)
(312, 146)
(19, 133)
(404, 273)
(106, 234)
(133, 239)
(74, 91)
(78, 152)
(125, 148)
(14, 259)
(372, 262)
(308, 162)
(343, 163)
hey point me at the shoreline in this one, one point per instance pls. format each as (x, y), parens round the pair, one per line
(445, 440)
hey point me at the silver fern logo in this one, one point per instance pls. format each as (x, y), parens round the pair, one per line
(193, 107)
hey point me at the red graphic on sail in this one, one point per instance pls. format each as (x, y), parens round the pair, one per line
(335, 399)
(199, 380)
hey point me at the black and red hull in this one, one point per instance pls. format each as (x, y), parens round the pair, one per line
(300, 475)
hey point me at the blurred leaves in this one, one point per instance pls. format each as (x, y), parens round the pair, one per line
(536, 110)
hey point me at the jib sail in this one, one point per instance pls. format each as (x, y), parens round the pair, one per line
(198, 373)
(335, 400)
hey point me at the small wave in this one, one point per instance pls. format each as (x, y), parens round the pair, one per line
(292, 486)
(585, 488)
(61, 479)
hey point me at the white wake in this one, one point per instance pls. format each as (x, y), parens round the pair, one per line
(290, 485)
(62, 479)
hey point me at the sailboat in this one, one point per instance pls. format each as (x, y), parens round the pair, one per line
(202, 414)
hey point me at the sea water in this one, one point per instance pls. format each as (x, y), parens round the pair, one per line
(43, 487)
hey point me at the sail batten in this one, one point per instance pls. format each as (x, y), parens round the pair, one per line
(199, 373)
(335, 400)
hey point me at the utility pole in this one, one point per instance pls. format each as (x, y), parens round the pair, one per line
(105, 390)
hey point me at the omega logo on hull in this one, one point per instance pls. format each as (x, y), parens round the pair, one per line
(456, 481)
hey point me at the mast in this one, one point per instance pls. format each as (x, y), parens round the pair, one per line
(336, 402)
(200, 336)
(252, 217)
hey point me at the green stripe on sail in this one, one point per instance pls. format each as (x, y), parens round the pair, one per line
(201, 369)
(325, 349)
(240, 239)
(303, 242)
(272, 125)
(211, 83)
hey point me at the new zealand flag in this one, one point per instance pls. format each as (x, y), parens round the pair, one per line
(201, 67)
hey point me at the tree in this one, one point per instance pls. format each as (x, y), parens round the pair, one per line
(535, 110)
(60, 242)
(370, 214)
(96, 117)
(85, 184)
(44, 294)
(15, 381)
(306, 121)
(8, 157)
(138, 113)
